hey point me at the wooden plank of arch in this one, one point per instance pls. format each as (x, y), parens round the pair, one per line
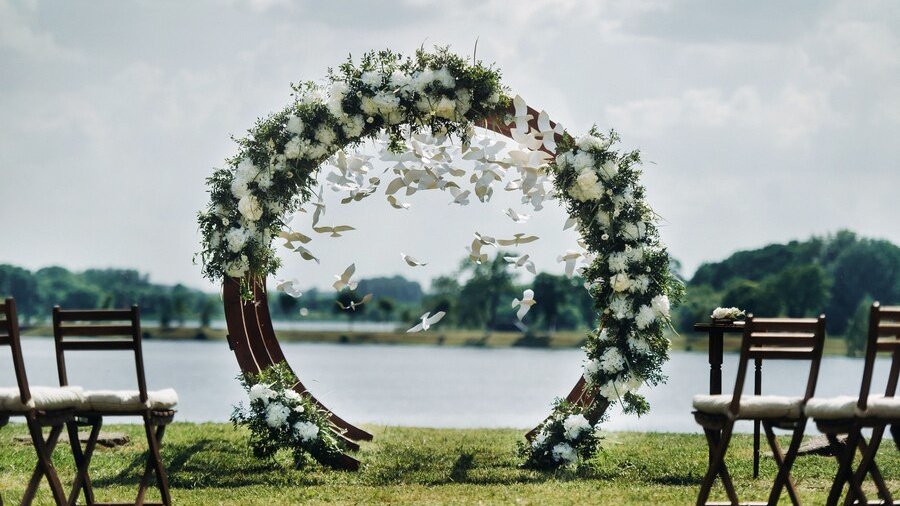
(256, 346)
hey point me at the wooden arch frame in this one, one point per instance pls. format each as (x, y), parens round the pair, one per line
(252, 337)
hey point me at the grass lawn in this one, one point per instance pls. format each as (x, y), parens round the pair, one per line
(209, 464)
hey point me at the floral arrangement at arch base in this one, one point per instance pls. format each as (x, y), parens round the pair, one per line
(443, 96)
(280, 418)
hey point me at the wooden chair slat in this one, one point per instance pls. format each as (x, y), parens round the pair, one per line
(890, 312)
(784, 341)
(97, 344)
(781, 353)
(887, 345)
(785, 325)
(888, 329)
(95, 330)
(94, 314)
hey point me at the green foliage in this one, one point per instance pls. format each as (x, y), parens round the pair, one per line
(858, 328)
(565, 438)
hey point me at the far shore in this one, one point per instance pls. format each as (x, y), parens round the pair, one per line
(454, 337)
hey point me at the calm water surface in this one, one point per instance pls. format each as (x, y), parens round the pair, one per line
(416, 385)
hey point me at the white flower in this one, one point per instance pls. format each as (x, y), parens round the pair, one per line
(618, 262)
(306, 431)
(494, 97)
(603, 219)
(612, 361)
(620, 308)
(262, 392)
(445, 108)
(353, 125)
(589, 142)
(639, 344)
(603, 335)
(586, 187)
(645, 316)
(539, 440)
(463, 101)
(641, 283)
(661, 305)
(609, 391)
(574, 425)
(721, 313)
(635, 230)
(294, 125)
(238, 268)
(398, 80)
(620, 282)
(564, 453)
(325, 135)
(293, 148)
(292, 395)
(371, 78)
(236, 239)
(590, 368)
(609, 169)
(277, 414)
(444, 77)
(249, 208)
(635, 255)
(583, 160)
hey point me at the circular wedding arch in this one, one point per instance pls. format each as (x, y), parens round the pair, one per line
(626, 266)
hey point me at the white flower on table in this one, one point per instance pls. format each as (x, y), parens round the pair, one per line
(306, 431)
(722, 313)
(277, 414)
(574, 425)
(564, 453)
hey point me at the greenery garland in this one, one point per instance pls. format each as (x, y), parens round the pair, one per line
(628, 275)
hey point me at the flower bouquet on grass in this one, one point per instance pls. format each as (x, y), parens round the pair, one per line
(564, 439)
(279, 418)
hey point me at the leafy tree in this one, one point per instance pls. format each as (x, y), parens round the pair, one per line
(386, 307)
(761, 299)
(858, 328)
(804, 290)
(482, 295)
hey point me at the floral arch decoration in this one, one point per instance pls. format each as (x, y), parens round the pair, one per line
(412, 106)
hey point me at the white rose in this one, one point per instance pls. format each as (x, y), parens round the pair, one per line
(262, 392)
(583, 160)
(586, 187)
(249, 208)
(276, 414)
(620, 282)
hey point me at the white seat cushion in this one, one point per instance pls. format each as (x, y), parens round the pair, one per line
(751, 406)
(43, 398)
(129, 400)
(844, 407)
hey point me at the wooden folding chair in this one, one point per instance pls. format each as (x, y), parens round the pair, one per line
(40, 406)
(850, 415)
(79, 330)
(763, 339)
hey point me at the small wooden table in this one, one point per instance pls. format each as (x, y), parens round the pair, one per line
(717, 333)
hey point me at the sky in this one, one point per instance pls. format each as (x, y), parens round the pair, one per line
(759, 122)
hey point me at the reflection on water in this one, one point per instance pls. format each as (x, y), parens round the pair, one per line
(417, 385)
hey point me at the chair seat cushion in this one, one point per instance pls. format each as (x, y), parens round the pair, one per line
(844, 407)
(751, 406)
(42, 398)
(129, 400)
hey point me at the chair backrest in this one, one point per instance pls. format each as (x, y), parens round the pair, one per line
(781, 339)
(9, 336)
(96, 330)
(884, 336)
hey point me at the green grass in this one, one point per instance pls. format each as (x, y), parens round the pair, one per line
(209, 464)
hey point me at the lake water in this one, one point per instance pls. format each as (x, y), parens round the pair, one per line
(417, 385)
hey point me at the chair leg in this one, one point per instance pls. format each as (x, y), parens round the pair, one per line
(44, 449)
(867, 465)
(83, 461)
(718, 448)
(845, 467)
(785, 462)
(154, 464)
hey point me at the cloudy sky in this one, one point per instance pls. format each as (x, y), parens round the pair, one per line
(760, 121)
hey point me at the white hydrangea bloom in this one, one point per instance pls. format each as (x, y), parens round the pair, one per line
(638, 344)
(262, 392)
(604, 219)
(586, 187)
(294, 125)
(306, 431)
(609, 391)
(238, 268)
(634, 231)
(371, 78)
(325, 135)
(574, 425)
(645, 316)
(445, 108)
(250, 208)
(620, 282)
(618, 262)
(276, 414)
(293, 148)
(588, 142)
(609, 169)
(236, 239)
(590, 368)
(620, 308)
(292, 395)
(661, 305)
(612, 361)
(443, 76)
(564, 453)
(640, 283)
(463, 102)
(583, 160)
